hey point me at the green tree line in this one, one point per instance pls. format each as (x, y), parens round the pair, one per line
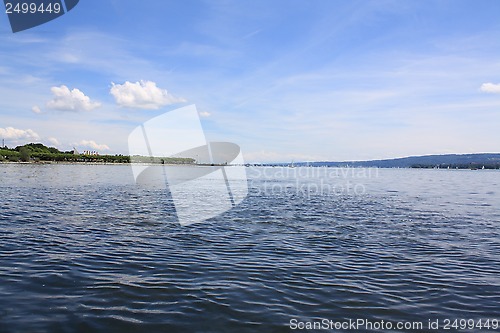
(36, 152)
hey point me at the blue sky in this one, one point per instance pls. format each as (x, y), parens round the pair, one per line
(286, 80)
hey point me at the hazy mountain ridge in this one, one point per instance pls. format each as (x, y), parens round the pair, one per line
(488, 160)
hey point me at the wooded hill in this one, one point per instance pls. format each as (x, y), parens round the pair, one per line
(37, 152)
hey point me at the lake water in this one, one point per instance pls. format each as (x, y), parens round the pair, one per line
(84, 249)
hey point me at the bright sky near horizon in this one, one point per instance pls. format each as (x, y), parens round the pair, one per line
(287, 80)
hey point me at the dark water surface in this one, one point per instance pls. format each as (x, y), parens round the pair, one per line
(83, 249)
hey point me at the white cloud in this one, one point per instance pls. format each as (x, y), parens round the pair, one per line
(53, 141)
(90, 144)
(204, 114)
(70, 100)
(12, 133)
(142, 95)
(36, 109)
(491, 88)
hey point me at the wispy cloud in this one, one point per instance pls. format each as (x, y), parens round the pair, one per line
(251, 34)
(104, 54)
(272, 156)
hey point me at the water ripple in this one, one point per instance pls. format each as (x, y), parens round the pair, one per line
(100, 254)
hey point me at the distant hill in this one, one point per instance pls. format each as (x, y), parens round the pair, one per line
(466, 161)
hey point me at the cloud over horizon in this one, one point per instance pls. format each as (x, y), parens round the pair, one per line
(53, 141)
(69, 100)
(12, 133)
(142, 95)
(491, 88)
(91, 144)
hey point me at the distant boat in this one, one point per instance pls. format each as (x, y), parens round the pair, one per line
(291, 165)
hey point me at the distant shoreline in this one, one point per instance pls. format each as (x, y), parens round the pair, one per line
(255, 165)
(111, 163)
(37, 153)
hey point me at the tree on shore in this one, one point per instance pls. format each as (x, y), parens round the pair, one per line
(24, 154)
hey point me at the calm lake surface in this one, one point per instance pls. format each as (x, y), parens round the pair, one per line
(84, 249)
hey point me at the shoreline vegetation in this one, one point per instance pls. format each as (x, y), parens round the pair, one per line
(39, 153)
